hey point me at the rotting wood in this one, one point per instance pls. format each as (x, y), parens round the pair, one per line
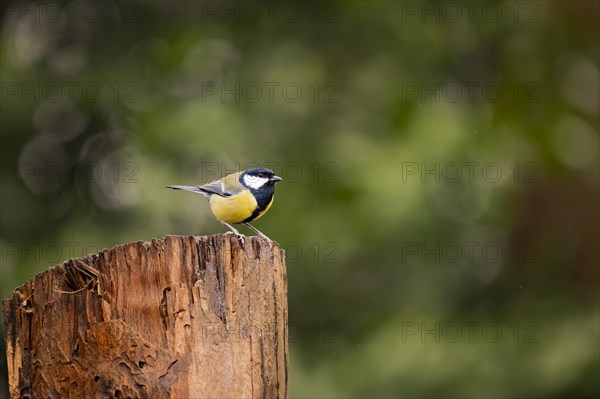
(177, 317)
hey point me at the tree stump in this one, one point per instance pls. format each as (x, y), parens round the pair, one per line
(178, 317)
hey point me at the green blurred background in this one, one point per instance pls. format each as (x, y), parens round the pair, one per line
(440, 161)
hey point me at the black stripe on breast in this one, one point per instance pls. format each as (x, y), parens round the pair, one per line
(264, 196)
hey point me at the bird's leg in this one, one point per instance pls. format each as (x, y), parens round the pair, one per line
(254, 229)
(234, 231)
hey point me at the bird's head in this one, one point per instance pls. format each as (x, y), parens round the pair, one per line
(257, 178)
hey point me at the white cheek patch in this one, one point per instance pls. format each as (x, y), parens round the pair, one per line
(255, 182)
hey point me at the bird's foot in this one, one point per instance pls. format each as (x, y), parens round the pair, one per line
(266, 238)
(233, 230)
(239, 235)
(260, 234)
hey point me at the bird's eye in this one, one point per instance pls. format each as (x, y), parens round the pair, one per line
(261, 175)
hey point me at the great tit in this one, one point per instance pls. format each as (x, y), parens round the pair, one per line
(239, 197)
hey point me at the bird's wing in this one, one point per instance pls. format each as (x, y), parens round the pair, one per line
(225, 187)
(231, 183)
(215, 187)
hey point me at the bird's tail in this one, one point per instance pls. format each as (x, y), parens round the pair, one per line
(193, 189)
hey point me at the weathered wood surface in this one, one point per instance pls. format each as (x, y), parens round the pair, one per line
(178, 317)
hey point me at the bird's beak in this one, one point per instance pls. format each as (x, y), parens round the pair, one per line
(275, 178)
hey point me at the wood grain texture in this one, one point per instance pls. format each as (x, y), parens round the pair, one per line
(178, 317)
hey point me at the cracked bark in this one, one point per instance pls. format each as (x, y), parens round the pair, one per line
(178, 317)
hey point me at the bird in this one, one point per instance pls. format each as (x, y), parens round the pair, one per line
(239, 198)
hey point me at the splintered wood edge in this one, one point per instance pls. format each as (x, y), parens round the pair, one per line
(255, 241)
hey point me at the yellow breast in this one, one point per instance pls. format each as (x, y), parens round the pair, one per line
(234, 209)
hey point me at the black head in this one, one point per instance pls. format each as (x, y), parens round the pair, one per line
(259, 178)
